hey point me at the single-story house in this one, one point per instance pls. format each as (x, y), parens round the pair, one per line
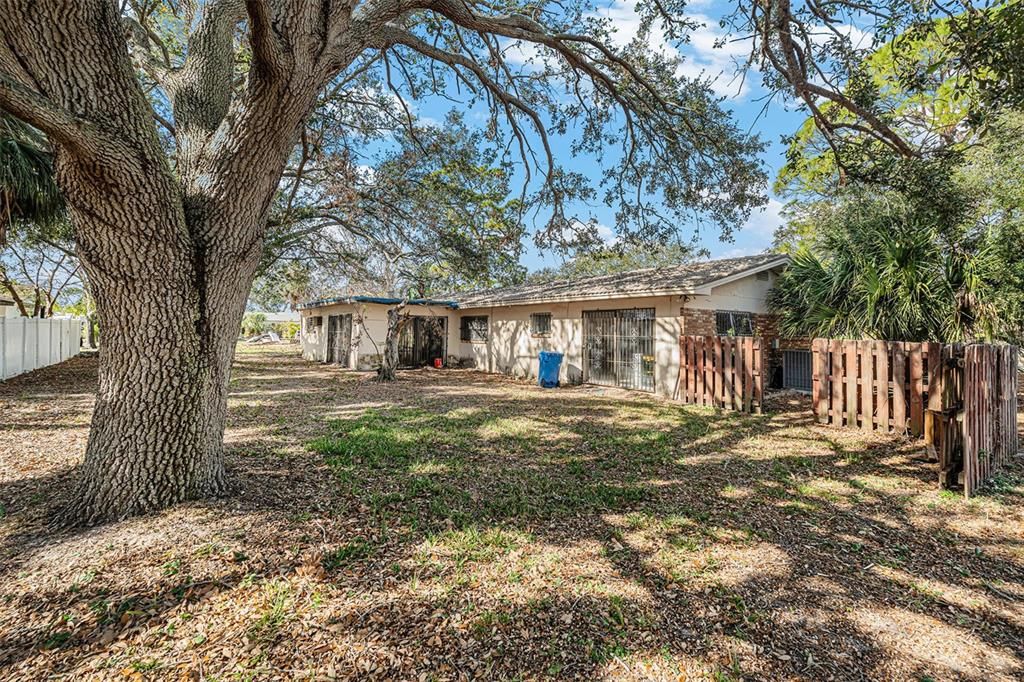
(8, 308)
(280, 317)
(616, 330)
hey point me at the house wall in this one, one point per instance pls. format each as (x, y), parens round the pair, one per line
(372, 332)
(512, 349)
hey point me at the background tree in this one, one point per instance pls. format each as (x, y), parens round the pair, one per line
(431, 213)
(28, 192)
(895, 221)
(618, 257)
(253, 324)
(38, 273)
(894, 264)
(873, 270)
(169, 151)
(865, 101)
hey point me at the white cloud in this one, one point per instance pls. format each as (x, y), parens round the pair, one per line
(607, 234)
(709, 53)
(712, 53)
(740, 251)
(520, 52)
(762, 223)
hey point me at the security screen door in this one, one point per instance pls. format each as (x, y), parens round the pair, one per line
(618, 348)
(339, 338)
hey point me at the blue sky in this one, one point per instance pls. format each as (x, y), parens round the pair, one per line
(745, 99)
(711, 53)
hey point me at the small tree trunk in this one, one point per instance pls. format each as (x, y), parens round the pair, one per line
(90, 330)
(397, 319)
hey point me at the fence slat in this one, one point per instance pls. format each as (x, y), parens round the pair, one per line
(748, 374)
(722, 371)
(882, 384)
(819, 380)
(758, 376)
(838, 387)
(851, 375)
(693, 368)
(916, 389)
(710, 368)
(899, 386)
(738, 373)
(867, 368)
(27, 344)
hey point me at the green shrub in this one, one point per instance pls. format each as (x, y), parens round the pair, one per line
(253, 324)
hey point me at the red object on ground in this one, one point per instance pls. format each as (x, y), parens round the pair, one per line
(438, 362)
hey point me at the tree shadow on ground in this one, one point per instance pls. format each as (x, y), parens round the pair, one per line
(466, 525)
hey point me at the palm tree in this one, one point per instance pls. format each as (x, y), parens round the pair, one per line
(876, 270)
(27, 188)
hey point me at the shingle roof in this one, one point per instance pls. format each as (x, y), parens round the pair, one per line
(682, 279)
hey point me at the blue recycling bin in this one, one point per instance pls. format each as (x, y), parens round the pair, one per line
(550, 363)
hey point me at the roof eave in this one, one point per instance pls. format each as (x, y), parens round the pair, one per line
(380, 300)
(702, 290)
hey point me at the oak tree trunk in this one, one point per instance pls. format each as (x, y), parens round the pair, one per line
(169, 243)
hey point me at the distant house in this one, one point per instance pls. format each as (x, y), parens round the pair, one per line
(8, 308)
(282, 318)
(616, 330)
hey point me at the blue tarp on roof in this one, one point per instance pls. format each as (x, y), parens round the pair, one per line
(384, 300)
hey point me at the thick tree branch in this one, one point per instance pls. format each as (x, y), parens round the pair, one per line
(268, 53)
(75, 134)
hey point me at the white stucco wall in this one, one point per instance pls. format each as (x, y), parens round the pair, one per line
(512, 349)
(749, 294)
(374, 330)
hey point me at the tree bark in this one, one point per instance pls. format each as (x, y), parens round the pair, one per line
(397, 319)
(170, 255)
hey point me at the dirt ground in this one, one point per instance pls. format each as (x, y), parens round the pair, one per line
(456, 525)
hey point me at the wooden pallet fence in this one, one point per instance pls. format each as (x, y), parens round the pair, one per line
(874, 385)
(961, 399)
(989, 413)
(722, 371)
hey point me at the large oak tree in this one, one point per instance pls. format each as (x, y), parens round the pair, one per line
(172, 123)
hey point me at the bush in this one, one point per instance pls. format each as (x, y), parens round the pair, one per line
(253, 324)
(287, 330)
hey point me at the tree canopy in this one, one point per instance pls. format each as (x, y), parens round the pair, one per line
(173, 123)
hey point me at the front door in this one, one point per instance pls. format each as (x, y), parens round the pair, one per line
(618, 348)
(339, 339)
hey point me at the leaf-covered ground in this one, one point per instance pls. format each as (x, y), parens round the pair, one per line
(457, 525)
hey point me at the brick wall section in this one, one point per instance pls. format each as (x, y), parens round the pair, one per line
(698, 322)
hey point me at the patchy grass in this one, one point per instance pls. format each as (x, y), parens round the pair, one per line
(457, 524)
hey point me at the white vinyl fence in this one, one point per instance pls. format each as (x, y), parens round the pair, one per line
(29, 343)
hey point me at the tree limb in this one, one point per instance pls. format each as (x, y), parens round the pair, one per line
(78, 135)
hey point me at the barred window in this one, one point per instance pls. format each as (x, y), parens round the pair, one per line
(313, 323)
(729, 323)
(540, 324)
(474, 329)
